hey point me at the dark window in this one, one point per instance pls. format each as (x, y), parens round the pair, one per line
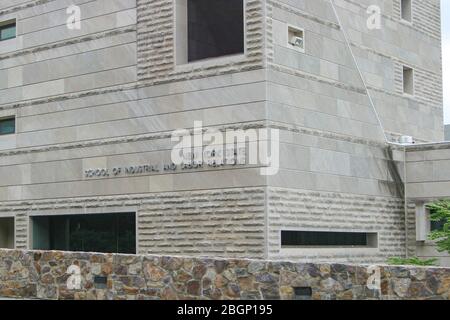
(100, 282)
(437, 225)
(7, 31)
(111, 233)
(408, 80)
(7, 233)
(7, 126)
(215, 28)
(327, 239)
(302, 293)
(407, 10)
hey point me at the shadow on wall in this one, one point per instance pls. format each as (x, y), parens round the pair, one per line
(397, 186)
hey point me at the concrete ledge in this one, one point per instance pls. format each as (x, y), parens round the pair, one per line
(427, 146)
(44, 275)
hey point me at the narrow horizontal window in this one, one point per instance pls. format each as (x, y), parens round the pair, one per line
(327, 239)
(7, 30)
(7, 126)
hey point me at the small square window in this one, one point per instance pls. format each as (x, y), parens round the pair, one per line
(408, 80)
(406, 10)
(208, 29)
(7, 126)
(302, 293)
(7, 30)
(296, 38)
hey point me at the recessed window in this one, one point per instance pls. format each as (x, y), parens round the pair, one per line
(7, 233)
(7, 125)
(209, 29)
(437, 225)
(328, 239)
(408, 80)
(302, 293)
(406, 10)
(7, 30)
(100, 282)
(296, 38)
(110, 233)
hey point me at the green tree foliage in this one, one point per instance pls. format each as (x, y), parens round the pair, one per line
(414, 261)
(440, 212)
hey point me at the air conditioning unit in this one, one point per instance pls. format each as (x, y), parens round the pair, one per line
(296, 41)
(406, 140)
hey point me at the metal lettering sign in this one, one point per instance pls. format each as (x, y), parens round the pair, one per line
(192, 161)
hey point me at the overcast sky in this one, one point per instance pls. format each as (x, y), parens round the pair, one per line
(446, 56)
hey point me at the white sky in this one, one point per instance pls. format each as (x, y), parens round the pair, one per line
(445, 6)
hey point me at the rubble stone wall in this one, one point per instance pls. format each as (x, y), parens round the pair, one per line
(43, 275)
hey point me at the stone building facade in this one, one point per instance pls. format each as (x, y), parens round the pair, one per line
(110, 94)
